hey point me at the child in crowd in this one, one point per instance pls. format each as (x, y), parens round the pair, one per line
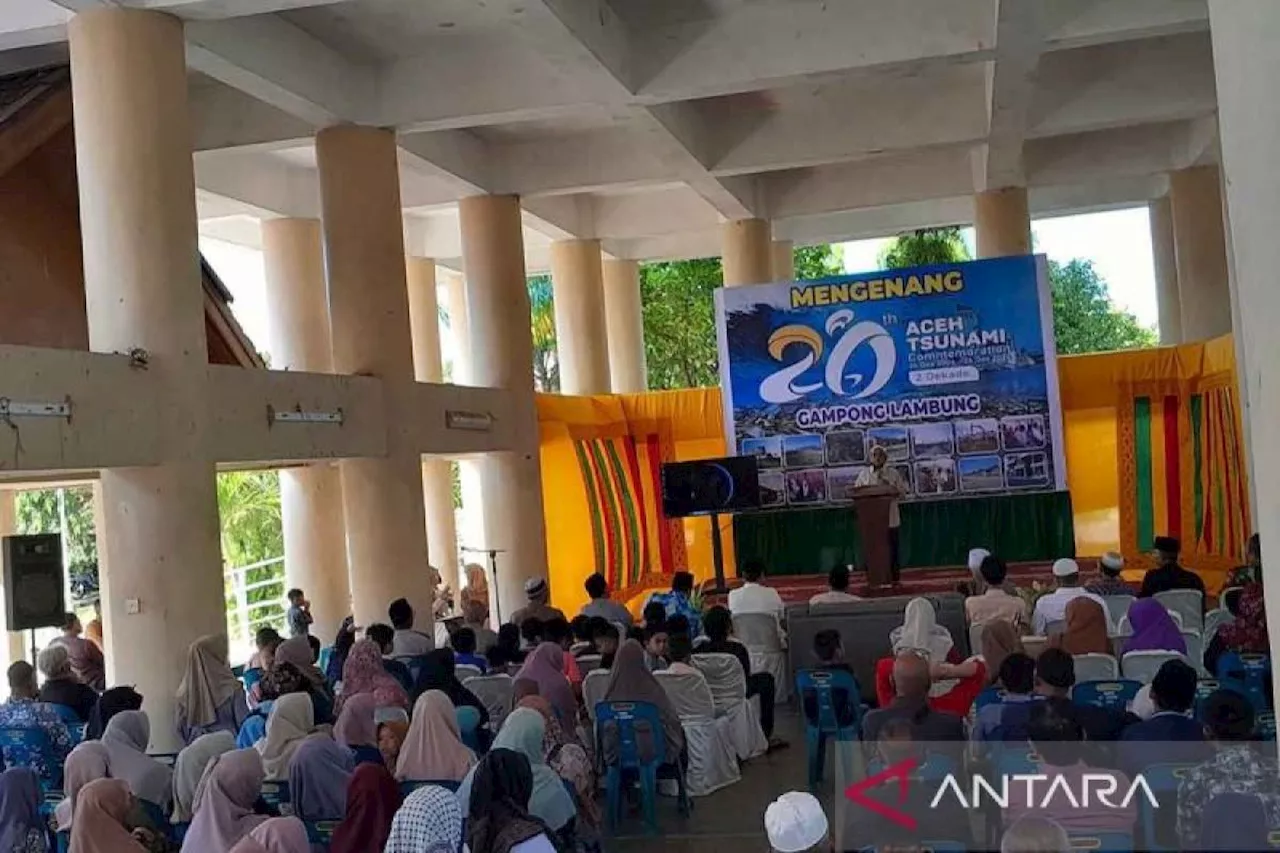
(464, 650)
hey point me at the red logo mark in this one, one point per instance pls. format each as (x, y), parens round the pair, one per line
(857, 792)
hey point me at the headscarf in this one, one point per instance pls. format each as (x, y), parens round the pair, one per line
(276, 835)
(364, 673)
(190, 767)
(999, 640)
(86, 661)
(1086, 629)
(126, 741)
(207, 683)
(433, 749)
(296, 651)
(356, 726)
(318, 776)
(1153, 628)
(290, 721)
(631, 681)
(399, 730)
(342, 644)
(372, 800)
(437, 673)
(545, 668)
(20, 809)
(109, 704)
(566, 757)
(225, 796)
(522, 732)
(1248, 632)
(429, 821)
(477, 588)
(921, 632)
(497, 815)
(87, 762)
(101, 810)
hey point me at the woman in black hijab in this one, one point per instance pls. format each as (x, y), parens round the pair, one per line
(437, 673)
(109, 704)
(498, 818)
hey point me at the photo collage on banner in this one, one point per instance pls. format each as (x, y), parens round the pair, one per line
(949, 368)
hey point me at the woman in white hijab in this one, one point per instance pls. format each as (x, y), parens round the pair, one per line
(189, 768)
(291, 720)
(955, 686)
(920, 632)
(126, 741)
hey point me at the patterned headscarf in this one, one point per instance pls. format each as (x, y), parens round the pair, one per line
(429, 821)
(1248, 633)
(567, 758)
(364, 673)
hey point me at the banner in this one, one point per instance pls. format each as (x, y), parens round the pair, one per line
(949, 368)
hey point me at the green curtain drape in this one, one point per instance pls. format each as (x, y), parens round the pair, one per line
(934, 533)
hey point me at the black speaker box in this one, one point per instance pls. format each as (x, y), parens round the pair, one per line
(33, 595)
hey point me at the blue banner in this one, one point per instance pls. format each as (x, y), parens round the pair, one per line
(949, 368)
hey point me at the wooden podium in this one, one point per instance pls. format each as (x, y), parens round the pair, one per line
(872, 506)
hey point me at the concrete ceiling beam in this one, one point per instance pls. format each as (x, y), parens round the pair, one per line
(1011, 86)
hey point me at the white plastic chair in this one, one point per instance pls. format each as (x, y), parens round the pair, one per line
(1125, 628)
(762, 635)
(1195, 652)
(495, 691)
(1117, 607)
(593, 687)
(1034, 644)
(712, 762)
(589, 663)
(1213, 620)
(1143, 666)
(729, 693)
(1188, 602)
(1096, 667)
(467, 671)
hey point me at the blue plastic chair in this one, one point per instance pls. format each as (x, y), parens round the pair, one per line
(1246, 674)
(469, 726)
(321, 831)
(275, 792)
(408, 786)
(1163, 780)
(1103, 842)
(624, 716)
(821, 683)
(1014, 758)
(990, 695)
(30, 747)
(1111, 694)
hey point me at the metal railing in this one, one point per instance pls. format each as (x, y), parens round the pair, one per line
(241, 622)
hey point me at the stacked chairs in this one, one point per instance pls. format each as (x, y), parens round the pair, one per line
(821, 684)
(713, 764)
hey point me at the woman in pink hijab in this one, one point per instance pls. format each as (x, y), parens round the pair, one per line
(433, 748)
(101, 810)
(543, 675)
(357, 729)
(224, 801)
(277, 835)
(364, 673)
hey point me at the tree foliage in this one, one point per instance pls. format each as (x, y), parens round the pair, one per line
(37, 512)
(252, 532)
(542, 322)
(821, 261)
(925, 247)
(1084, 317)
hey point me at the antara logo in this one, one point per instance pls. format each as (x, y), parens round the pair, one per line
(783, 385)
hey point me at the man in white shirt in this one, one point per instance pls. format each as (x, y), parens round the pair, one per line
(753, 596)
(882, 474)
(1053, 607)
(407, 642)
(838, 580)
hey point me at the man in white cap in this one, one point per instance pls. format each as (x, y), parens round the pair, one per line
(1108, 581)
(1053, 607)
(538, 593)
(795, 822)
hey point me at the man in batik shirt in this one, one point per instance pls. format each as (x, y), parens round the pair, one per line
(22, 711)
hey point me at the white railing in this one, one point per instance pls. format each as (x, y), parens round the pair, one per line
(241, 622)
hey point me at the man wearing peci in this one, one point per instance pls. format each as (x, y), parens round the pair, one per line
(882, 474)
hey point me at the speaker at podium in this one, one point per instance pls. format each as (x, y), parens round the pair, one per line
(33, 584)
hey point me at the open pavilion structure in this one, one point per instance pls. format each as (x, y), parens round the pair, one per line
(373, 147)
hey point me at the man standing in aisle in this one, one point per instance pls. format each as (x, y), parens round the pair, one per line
(882, 474)
(299, 614)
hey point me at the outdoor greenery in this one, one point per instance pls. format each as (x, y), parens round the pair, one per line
(542, 318)
(37, 512)
(924, 247)
(252, 532)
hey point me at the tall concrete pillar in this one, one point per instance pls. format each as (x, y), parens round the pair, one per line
(784, 260)
(1195, 196)
(747, 252)
(428, 366)
(1165, 261)
(162, 584)
(315, 536)
(1002, 223)
(369, 312)
(455, 306)
(624, 315)
(582, 345)
(472, 533)
(502, 352)
(1247, 65)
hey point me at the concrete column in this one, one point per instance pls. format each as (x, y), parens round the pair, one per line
(1002, 223)
(784, 260)
(582, 345)
(472, 533)
(1165, 261)
(369, 311)
(162, 584)
(315, 536)
(502, 347)
(624, 315)
(747, 252)
(1195, 197)
(1247, 65)
(428, 366)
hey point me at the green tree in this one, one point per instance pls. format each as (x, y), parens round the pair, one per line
(924, 247)
(822, 261)
(1084, 317)
(252, 532)
(542, 322)
(38, 512)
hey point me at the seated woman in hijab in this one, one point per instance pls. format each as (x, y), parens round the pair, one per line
(102, 810)
(126, 740)
(232, 783)
(522, 733)
(189, 769)
(109, 704)
(318, 777)
(22, 829)
(87, 762)
(437, 673)
(499, 818)
(1153, 629)
(210, 697)
(429, 820)
(293, 670)
(364, 673)
(357, 729)
(543, 675)
(1085, 631)
(433, 747)
(276, 835)
(631, 681)
(290, 722)
(955, 684)
(372, 800)
(572, 763)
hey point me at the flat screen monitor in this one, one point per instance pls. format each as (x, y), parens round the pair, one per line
(706, 486)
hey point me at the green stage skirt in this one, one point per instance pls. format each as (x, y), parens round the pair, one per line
(934, 533)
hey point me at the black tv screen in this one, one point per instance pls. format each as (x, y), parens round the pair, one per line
(707, 486)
